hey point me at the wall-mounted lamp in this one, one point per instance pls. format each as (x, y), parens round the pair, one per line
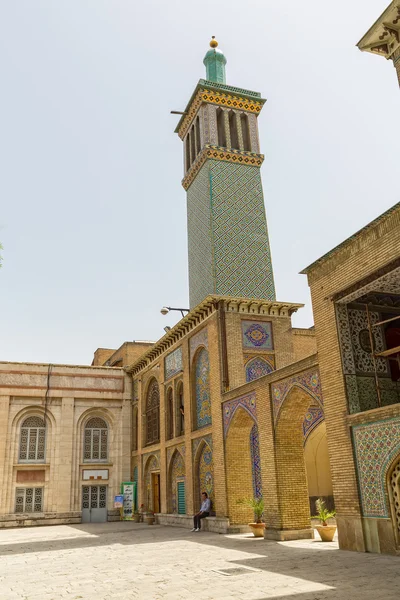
(165, 310)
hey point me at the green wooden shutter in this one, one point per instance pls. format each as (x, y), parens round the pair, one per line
(181, 498)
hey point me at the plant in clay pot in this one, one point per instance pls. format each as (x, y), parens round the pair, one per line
(136, 516)
(257, 504)
(325, 531)
(149, 517)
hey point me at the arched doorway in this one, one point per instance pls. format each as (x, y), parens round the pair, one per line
(394, 496)
(242, 465)
(290, 460)
(316, 457)
(152, 484)
(176, 484)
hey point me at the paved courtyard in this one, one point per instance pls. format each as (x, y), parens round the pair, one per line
(126, 560)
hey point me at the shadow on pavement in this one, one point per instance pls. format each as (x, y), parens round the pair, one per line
(306, 563)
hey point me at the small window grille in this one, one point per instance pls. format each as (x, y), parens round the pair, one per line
(95, 441)
(32, 440)
(94, 496)
(29, 500)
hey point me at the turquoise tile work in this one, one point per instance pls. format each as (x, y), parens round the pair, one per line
(229, 250)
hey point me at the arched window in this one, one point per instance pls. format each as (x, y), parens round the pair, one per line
(244, 121)
(221, 128)
(153, 414)
(198, 140)
(193, 144)
(202, 389)
(32, 440)
(180, 414)
(135, 429)
(187, 147)
(95, 447)
(233, 130)
(170, 415)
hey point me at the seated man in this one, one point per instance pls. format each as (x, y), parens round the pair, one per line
(204, 511)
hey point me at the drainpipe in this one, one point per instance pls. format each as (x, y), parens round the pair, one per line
(224, 352)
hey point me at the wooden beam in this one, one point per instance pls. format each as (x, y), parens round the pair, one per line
(389, 352)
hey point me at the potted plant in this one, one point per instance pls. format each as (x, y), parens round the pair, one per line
(325, 531)
(136, 516)
(149, 517)
(257, 504)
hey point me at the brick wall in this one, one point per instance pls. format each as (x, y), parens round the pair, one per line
(372, 248)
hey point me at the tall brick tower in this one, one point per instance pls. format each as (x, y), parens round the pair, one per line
(228, 242)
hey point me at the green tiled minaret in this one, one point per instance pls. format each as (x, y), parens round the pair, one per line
(228, 241)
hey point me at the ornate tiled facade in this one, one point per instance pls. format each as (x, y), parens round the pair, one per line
(173, 363)
(247, 402)
(203, 399)
(309, 382)
(171, 450)
(206, 472)
(257, 335)
(227, 231)
(207, 439)
(313, 417)
(257, 367)
(198, 340)
(256, 462)
(357, 360)
(376, 445)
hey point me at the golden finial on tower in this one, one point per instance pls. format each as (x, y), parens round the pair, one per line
(213, 42)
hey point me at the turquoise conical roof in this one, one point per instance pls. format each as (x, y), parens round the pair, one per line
(215, 62)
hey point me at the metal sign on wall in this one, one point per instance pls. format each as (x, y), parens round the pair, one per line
(128, 492)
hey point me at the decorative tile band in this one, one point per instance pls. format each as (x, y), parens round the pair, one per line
(257, 334)
(209, 151)
(309, 382)
(173, 363)
(220, 99)
(376, 446)
(314, 416)
(247, 402)
(257, 367)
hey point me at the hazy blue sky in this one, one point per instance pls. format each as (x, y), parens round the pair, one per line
(93, 216)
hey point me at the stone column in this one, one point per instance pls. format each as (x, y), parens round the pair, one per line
(239, 129)
(186, 358)
(4, 415)
(163, 452)
(253, 129)
(63, 467)
(227, 130)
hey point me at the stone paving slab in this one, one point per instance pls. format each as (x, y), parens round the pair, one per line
(124, 561)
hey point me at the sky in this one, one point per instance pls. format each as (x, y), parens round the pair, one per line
(92, 211)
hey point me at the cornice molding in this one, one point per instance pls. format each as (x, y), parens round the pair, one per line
(209, 151)
(224, 99)
(199, 314)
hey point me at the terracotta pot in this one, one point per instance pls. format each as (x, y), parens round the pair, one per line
(149, 519)
(136, 518)
(326, 532)
(257, 529)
